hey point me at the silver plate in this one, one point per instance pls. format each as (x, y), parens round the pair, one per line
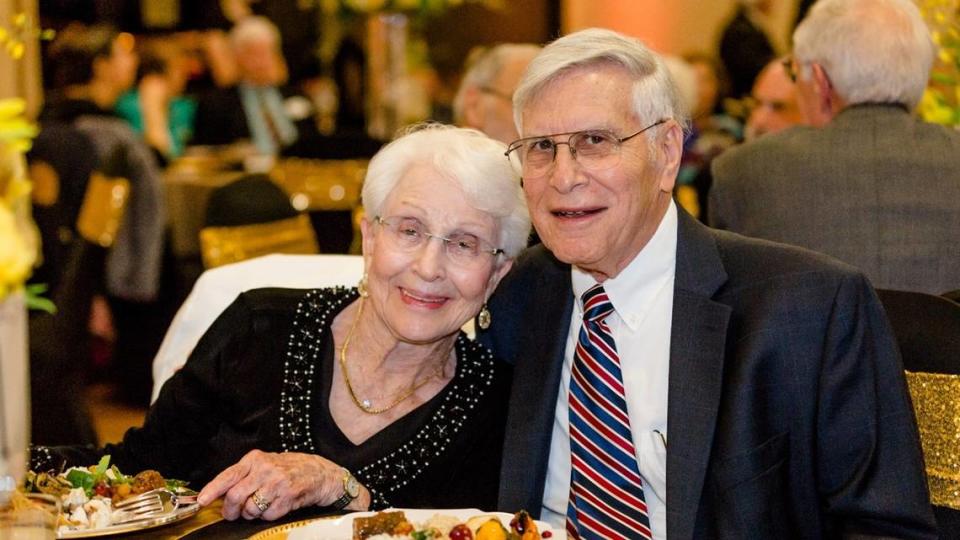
(178, 515)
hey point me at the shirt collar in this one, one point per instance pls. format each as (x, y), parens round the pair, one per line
(631, 292)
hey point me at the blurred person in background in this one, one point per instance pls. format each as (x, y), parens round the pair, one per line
(773, 102)
(92, 67)
(744, 46)
(867, 182)
(258, 109)
(703, 84)
(157, 107)
(484, 99)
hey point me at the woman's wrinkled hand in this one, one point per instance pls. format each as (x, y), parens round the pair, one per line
(280, 483)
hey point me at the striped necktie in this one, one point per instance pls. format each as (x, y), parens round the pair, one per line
(606, 491)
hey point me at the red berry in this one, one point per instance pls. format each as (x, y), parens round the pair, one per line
(546, 534)
(103, 489)
(461, 532)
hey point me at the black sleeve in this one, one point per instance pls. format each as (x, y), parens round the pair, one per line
(220, 405)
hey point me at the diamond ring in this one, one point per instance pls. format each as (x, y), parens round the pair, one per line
(261, 502)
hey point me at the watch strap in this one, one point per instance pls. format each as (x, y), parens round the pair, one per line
(347, 496)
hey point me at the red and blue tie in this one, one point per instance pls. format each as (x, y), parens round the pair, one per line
(606, 491)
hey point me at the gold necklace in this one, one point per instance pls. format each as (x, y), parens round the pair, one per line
(366, 405)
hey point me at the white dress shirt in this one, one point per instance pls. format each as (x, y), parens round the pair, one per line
(642, 297)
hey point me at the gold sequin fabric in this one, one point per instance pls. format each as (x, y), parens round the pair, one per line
(936, 400)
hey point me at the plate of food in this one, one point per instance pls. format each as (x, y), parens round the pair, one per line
(89, 499)
(417, 524)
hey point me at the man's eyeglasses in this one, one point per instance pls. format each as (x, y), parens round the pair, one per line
(461, 248)
(789, 67)
(595, 150)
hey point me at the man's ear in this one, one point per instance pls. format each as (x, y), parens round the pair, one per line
(472, 110)
(823, 87)
(670, 151)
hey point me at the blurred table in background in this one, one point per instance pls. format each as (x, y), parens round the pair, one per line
(328, 189)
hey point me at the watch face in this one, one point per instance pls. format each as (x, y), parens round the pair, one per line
(352, 487)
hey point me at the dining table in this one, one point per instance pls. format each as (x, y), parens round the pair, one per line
(208, 524)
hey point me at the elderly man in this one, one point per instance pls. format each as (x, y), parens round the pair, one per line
(773, 102)
(672, 380)
(483, 101)
(256, 109)
(871, 184)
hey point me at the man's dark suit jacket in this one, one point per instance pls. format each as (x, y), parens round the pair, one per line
(788, 413)
(222, 120)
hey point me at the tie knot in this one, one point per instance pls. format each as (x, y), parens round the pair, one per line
(596, 304)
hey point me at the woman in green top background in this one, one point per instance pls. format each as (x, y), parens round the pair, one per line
(156, 107)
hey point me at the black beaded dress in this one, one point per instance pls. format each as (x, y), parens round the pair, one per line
(260, 378)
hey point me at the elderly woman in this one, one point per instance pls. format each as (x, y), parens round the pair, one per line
(366, 397)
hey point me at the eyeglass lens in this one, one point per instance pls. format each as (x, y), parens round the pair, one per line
(410, 234)
(592, 149)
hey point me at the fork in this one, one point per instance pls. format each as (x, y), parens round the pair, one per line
(153, 503)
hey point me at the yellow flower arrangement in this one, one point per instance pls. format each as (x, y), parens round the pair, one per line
(941, 101)
(19, 238)
(19, 241)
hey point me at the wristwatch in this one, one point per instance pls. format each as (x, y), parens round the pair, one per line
(351, 489)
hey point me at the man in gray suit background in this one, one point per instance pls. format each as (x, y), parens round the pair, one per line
(869, 184)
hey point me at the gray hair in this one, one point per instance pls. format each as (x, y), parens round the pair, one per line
(254, 29)
(655, 96)
(466, 157)
(873, 50)
(483, 69)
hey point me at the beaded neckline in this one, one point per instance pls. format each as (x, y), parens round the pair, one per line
(474, 374)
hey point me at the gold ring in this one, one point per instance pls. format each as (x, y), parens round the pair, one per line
(258, 500)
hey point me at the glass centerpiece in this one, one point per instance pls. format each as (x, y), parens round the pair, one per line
(18, 252)
(394, 95)
(19, 248)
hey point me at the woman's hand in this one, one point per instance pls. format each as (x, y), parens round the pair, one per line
(280, 483)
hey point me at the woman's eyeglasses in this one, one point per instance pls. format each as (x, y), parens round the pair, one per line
(461, 248)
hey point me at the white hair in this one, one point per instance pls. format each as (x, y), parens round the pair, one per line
(685, 79)
(873, 50)
(655, 96)
(254, 29)
(466, 157)
(483, 70)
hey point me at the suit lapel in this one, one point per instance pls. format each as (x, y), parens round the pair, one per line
(697, 343)
(536, 385)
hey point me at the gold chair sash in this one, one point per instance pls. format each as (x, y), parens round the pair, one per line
(103, 207)
(318, 184)
(46, 183)
(936, 400)
(225, 245)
